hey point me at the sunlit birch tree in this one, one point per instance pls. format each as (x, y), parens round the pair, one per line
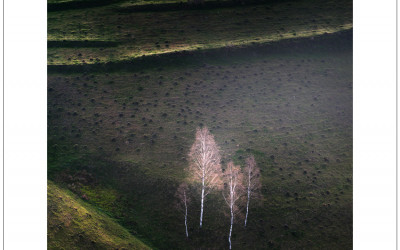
(233, 191)
(252, 181)
(205, 166)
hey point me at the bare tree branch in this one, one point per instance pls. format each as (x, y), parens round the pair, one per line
(252, 181)
(233, 192)
(183, 200)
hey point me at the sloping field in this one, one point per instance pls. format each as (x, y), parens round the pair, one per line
(130, 81)
(120, 35)
(121, 138)
(73, 224)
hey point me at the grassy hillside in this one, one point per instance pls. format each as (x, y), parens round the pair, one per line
(122, 139)
(108, 34)
(73, 224)
(127, 89)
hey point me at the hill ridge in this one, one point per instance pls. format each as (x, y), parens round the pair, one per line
(72, 223)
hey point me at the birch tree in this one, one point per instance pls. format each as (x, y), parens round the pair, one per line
(233, 192)
(252, 181)
(205, 166)
(183, 200)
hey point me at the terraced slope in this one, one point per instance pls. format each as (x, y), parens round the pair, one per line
(108, 34)
(73, 224)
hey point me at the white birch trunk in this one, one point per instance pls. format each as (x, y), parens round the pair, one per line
(248, 200)
(202, 202)
(187, 234)
(202, 182)
(230, 231)
(247, 208)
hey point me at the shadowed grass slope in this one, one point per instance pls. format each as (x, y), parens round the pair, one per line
(73, 224)
(122, 138)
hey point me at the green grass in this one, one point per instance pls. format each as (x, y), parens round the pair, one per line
(119, 136)
(73, 224)
(153, 33)
(292, 110)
